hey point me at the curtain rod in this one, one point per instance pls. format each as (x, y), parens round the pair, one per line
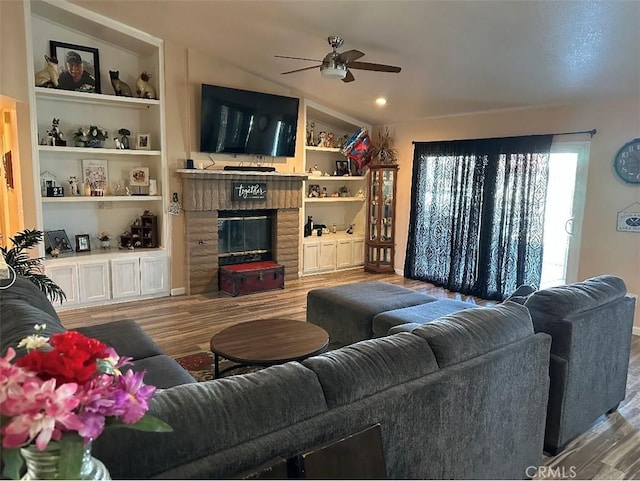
(591, 132)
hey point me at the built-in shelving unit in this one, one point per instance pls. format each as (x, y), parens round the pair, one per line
(101, 275)
(344, 204)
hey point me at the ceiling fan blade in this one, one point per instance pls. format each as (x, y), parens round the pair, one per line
(300, 69)
(374, 66)
(299, 58)
(350, 56)
(349, 77)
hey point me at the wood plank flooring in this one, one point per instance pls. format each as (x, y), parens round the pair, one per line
(184, 324)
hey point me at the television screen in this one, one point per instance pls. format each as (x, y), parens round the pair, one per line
(237, 121)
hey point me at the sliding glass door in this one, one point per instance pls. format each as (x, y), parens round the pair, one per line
(564, 212)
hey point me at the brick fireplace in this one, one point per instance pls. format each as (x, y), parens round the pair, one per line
(207, 192)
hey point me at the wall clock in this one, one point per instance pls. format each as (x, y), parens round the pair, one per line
(627, 162)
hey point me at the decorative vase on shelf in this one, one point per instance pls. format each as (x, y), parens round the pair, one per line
(94, 143)
(46, 464)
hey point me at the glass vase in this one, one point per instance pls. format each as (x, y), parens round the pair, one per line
(46, 464)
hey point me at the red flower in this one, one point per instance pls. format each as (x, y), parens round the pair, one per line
(72, 359)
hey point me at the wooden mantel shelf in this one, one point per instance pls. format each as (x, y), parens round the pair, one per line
(219, 174)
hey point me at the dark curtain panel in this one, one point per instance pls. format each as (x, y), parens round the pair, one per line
(477, 214)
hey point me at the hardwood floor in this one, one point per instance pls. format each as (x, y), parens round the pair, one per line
(184, 324)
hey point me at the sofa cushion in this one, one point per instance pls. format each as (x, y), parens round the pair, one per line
(563, 301)
(367, 367)
(161, 371)
(17, 321)
(125, 336)
(25, 290)
(419, 314)
(472, 332)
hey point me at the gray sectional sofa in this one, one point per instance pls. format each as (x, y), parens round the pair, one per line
(463, 397)
(590, 323)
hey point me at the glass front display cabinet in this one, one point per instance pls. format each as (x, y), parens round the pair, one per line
(380, 240)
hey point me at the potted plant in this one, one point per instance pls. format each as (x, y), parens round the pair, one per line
(30, 268)
(90, 136)
(104, 240)
(381, 151)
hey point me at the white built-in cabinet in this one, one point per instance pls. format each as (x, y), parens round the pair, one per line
(104, 279)
(339, 250)
(99, 276)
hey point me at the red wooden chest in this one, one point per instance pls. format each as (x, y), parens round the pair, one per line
(239, 279)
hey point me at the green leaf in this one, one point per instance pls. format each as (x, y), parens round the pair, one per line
(71, 450)
(12, 461)
(105, 366)
(147, 423)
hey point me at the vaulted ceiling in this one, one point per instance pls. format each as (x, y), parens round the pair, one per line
(457, 56)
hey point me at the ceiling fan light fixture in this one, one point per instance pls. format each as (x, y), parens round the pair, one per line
(333, 70)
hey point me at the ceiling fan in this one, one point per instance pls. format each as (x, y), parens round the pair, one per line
(338, 65)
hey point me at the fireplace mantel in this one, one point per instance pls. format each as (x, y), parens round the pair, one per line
(235, 174)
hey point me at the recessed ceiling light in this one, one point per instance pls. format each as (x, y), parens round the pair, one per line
(381, 101)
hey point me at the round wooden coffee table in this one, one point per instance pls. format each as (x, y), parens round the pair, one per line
(267, 342)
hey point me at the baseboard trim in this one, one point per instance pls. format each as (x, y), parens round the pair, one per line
(179, 291)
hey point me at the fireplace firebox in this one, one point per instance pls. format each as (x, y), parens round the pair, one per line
(245, 236)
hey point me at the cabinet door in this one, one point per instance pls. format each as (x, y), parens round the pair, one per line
(327, 260)
(343, 253)
(154, 273)
(66, 277)
(125, 277)
(310, 257)
(357, 252)
(93, 279)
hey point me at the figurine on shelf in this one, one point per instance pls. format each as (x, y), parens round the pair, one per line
(124, 138)
(55, 134)
(48, 77)
(360, 193)
(330, 141)
(73, 185)
(322, 139)
(316, 170)
(119, 87)
(143, 88)
(308, 227)
(350, 229)
(310, 134)
(323, 193)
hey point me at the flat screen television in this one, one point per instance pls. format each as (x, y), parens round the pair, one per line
(235, 121)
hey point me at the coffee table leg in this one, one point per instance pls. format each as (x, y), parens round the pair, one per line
(216, 365)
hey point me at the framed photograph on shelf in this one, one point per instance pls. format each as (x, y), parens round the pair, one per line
(79, 67)
(95, 174)
(342, 167)
(314, 190)
(139, 177)
(143, 141)
(82, 243)
(57, 239)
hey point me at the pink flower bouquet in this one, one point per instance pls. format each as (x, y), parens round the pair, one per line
(68, 390)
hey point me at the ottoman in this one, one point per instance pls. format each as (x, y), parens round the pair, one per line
(346, 312)
(408, 318)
